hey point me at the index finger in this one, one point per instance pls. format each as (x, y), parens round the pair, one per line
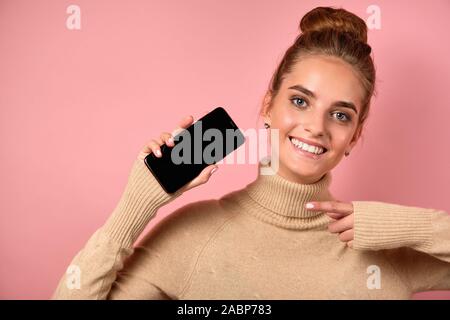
(343, 208)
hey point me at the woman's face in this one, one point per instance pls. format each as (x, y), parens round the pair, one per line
(324, 114)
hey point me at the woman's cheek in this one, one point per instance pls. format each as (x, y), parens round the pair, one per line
(341, 138)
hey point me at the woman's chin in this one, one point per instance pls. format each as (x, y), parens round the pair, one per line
(301, 172)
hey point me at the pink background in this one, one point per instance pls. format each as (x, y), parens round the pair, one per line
(77, 105)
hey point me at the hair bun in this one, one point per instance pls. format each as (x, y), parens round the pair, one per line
(322, 18)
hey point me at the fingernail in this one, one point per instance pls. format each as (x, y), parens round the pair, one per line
(213, 170)
(309, 205)
(158, 153)
(171, 140)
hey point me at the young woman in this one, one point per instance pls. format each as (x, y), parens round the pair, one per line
(263, 242)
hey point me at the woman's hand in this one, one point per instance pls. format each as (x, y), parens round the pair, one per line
(342, 213)
(153, 146)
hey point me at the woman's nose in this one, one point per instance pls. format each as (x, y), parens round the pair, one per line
(315, 124)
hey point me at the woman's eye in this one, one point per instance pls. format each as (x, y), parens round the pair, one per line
(296, 99)
(343, 117)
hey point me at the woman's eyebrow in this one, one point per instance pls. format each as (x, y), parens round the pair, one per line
(311, 94)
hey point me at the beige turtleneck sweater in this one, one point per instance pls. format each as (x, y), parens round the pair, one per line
(258, 243)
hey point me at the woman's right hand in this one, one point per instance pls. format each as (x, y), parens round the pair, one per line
(153, 146)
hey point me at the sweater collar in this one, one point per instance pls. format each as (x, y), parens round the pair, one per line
(281, 202)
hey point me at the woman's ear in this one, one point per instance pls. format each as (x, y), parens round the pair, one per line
(356, 136)
(265, 109)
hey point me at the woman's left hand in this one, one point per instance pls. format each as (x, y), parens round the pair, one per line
(342, 213)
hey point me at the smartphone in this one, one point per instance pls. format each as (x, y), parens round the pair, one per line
(207, 141)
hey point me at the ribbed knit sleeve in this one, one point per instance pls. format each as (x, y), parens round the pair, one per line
(94, 269)
(420, 238)
(142, 197)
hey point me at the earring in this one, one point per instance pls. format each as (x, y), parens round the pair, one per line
(347, 153)
(266, 125)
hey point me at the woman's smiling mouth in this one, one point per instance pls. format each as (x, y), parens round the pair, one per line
(304, 149)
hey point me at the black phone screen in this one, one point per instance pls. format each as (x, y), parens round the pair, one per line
(207, 141)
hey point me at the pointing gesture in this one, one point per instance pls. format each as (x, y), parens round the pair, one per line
(342, 212)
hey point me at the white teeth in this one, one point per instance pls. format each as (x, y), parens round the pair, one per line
(306, 147)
